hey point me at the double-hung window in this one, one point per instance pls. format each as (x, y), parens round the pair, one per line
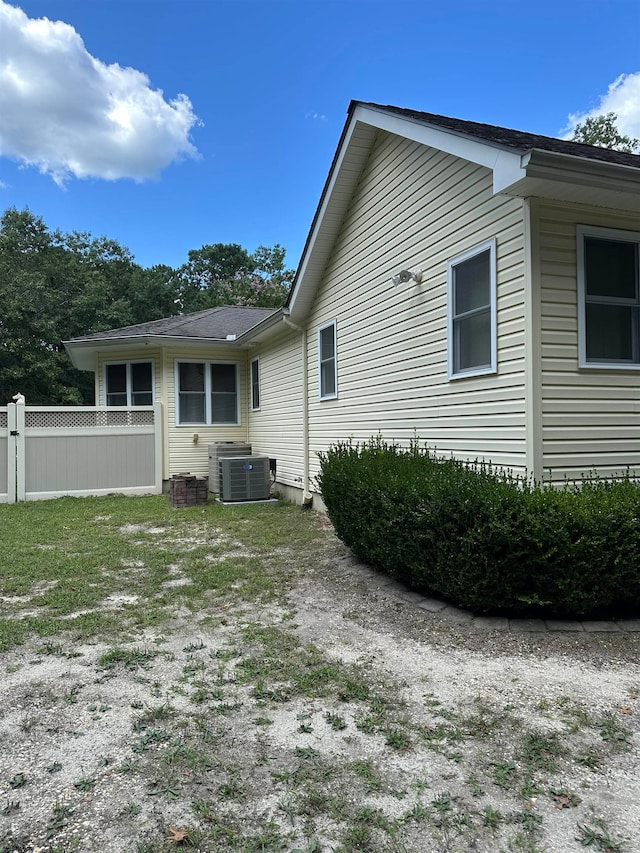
(609, 297)
(472, 311)
(207, 392)
(129, 383)
(255, 384)
(327, 361)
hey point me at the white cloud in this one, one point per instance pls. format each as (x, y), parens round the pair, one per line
(623, 99)
(67, 113)
(316, 116)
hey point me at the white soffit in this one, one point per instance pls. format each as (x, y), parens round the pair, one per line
(83, 353)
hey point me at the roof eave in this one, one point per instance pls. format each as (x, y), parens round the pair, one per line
(83, 353)
(517, 171)
(563, 177)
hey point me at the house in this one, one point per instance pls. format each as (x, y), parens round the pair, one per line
(471, 285)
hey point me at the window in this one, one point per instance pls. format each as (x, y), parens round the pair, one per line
(255, 384)
(472, 311)
(609, 297)
(129, 383)
(327, 361)
(207, 393)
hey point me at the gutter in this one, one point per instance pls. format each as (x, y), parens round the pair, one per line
(584, 171)
(563, 170)
(306, 496)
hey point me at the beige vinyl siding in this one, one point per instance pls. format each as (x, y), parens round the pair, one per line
(590, 417)
(277, 429)
(417, 208)
(185, 453)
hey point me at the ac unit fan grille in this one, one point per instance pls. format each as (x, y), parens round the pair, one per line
(245, 478)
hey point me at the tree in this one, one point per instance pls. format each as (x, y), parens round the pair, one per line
(226, 274)
(602, 131)
(30, 357)
(56, 286)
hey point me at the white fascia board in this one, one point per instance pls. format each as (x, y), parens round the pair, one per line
(167, 340)
(458, 144)
(509, 168)
(83, 353)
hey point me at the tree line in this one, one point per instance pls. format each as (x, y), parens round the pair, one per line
(56, 286)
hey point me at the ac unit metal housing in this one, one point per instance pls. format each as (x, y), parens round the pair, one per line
(244, 478)
(218, 451)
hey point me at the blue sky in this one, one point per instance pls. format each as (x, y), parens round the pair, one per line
(243, 156)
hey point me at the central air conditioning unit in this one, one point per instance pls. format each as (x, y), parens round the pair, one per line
(245, 478)
(216, 452)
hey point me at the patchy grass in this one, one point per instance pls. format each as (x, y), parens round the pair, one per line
(99, 567)
(157, 659)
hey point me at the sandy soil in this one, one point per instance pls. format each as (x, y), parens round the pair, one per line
(77, 774)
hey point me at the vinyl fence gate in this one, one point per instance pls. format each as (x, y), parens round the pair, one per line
(50, 451)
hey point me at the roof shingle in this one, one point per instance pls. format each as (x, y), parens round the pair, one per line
(508, 138)
(212, 323)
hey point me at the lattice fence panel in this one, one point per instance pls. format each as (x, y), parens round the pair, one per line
(87, 419)
(4, 421)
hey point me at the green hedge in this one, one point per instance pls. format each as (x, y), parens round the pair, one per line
(485, 540)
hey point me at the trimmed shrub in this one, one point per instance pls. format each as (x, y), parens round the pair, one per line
(483, 539)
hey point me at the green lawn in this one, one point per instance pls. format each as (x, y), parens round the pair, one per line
(68, 556)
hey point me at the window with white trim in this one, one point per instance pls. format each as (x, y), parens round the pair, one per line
(255, 384)
(609, 297)
(327, 361)
(472, 311)
(129, 383)
(207, 392)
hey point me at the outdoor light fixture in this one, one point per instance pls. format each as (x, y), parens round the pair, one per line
(407, 275)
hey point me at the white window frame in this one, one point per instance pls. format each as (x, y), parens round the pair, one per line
(620, 236)
(207, 392)
(331, 324)
(490, 246)
(253, 384)
(128, 363)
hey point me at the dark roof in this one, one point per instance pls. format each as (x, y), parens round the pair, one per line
(510, 138)
(213, 323)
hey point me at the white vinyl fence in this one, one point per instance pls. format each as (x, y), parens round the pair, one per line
(50, 451)
(7, 455)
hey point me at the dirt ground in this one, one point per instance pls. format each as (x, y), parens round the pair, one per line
(337, 719)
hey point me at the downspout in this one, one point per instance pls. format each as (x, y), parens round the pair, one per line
(533, 354)
(306, 496)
